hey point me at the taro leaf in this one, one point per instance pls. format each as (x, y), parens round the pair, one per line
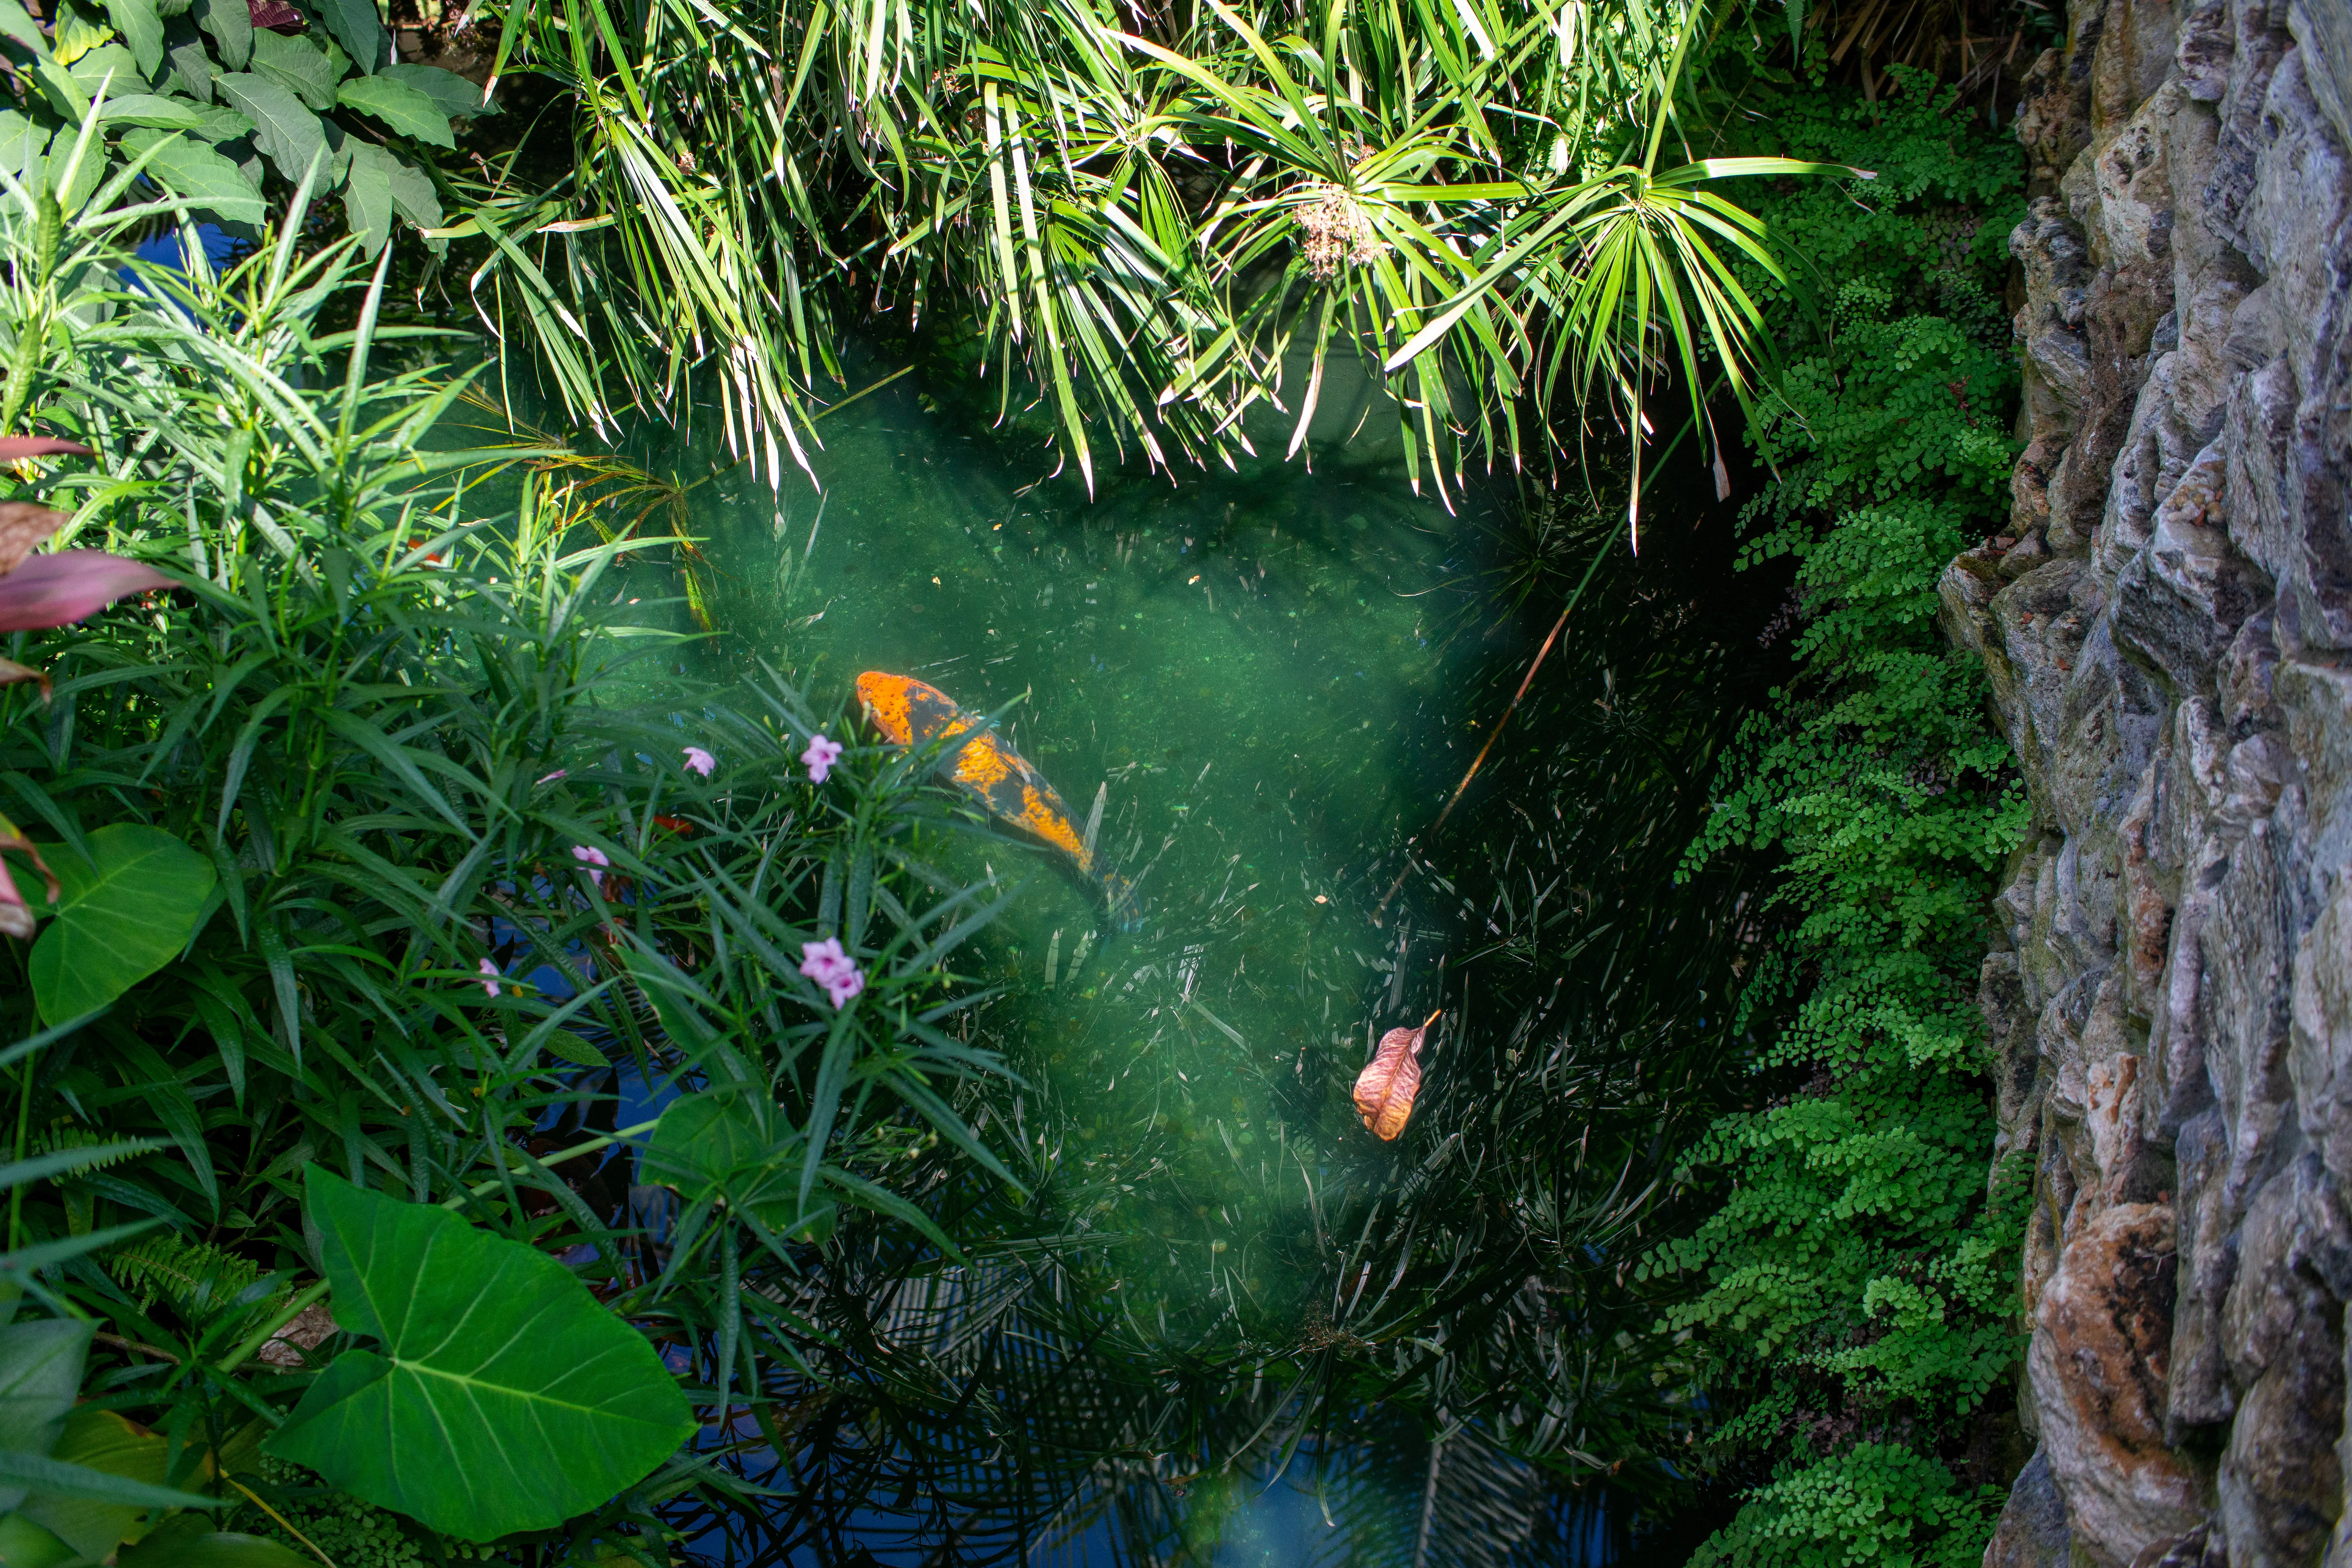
(104, 1441)
(451, 92)
(367, 195)
(153, 112)
(230, 22)
(198, 176)
(1385, 1089)
(356, 27)
(298, 66)
(120, 920)
(40, 1370)
(142, 28)
(400, 106)
(289, 135)
(505, 1398)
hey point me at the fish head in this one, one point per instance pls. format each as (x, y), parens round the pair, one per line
(906, 710)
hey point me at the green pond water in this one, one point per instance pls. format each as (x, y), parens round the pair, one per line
(1272, 679)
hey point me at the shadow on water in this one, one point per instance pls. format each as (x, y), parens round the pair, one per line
(1229, 1326)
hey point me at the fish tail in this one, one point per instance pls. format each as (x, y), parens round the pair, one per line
(1126, 909)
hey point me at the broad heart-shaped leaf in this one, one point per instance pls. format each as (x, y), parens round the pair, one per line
(198, 176)
(400, 106)
(355, 25)
(453, 93)
(120, 920)
(288, 134)
(40, 1372)
(297, 65)
(367, 195)
(505, 1398)
(142, 28)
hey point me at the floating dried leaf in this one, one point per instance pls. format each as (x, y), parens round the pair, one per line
(1385, 1088)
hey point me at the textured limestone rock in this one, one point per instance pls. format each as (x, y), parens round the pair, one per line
(2169, 647)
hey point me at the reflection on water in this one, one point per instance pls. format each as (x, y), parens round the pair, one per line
(1229, 1326)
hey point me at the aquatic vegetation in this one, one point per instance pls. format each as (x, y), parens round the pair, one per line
(1853, 1311)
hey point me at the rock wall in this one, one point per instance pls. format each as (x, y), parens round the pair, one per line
(2168, 626)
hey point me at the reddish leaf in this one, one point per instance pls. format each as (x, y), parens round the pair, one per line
(274, 14)
(14, 674)
(61, 589)
(24, 525)
(1386, 1087)
(16, 920)
(12, 448)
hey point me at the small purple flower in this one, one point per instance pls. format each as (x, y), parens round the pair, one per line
(489, 977)
(700, 761)
(821, 755)
(825, 962)
(593, 859)
(557, 774)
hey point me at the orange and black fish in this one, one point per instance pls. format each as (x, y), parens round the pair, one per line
(910, 713)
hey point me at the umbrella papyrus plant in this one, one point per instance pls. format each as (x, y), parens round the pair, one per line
(1148, 222)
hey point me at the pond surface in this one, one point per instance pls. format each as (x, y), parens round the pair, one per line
(1265, 683)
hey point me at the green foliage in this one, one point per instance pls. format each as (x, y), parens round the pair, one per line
(506, 1397)
(1876, 1503)
(352, 1533)
(1856, 1279)
(230, 117)
(130, 899)
(1159, 217)
(396, 719)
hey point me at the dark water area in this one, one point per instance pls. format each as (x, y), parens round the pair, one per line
(1229, 1326)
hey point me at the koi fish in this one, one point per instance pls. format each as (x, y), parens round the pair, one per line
(1386, 1087)
(910, 713)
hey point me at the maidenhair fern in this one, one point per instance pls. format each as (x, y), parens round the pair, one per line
(1853, 1309)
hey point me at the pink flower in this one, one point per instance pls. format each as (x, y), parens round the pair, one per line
(820, 757)
(491, 977)
(560, 773)
(593, 859)
(700, 761)
(825, 962)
